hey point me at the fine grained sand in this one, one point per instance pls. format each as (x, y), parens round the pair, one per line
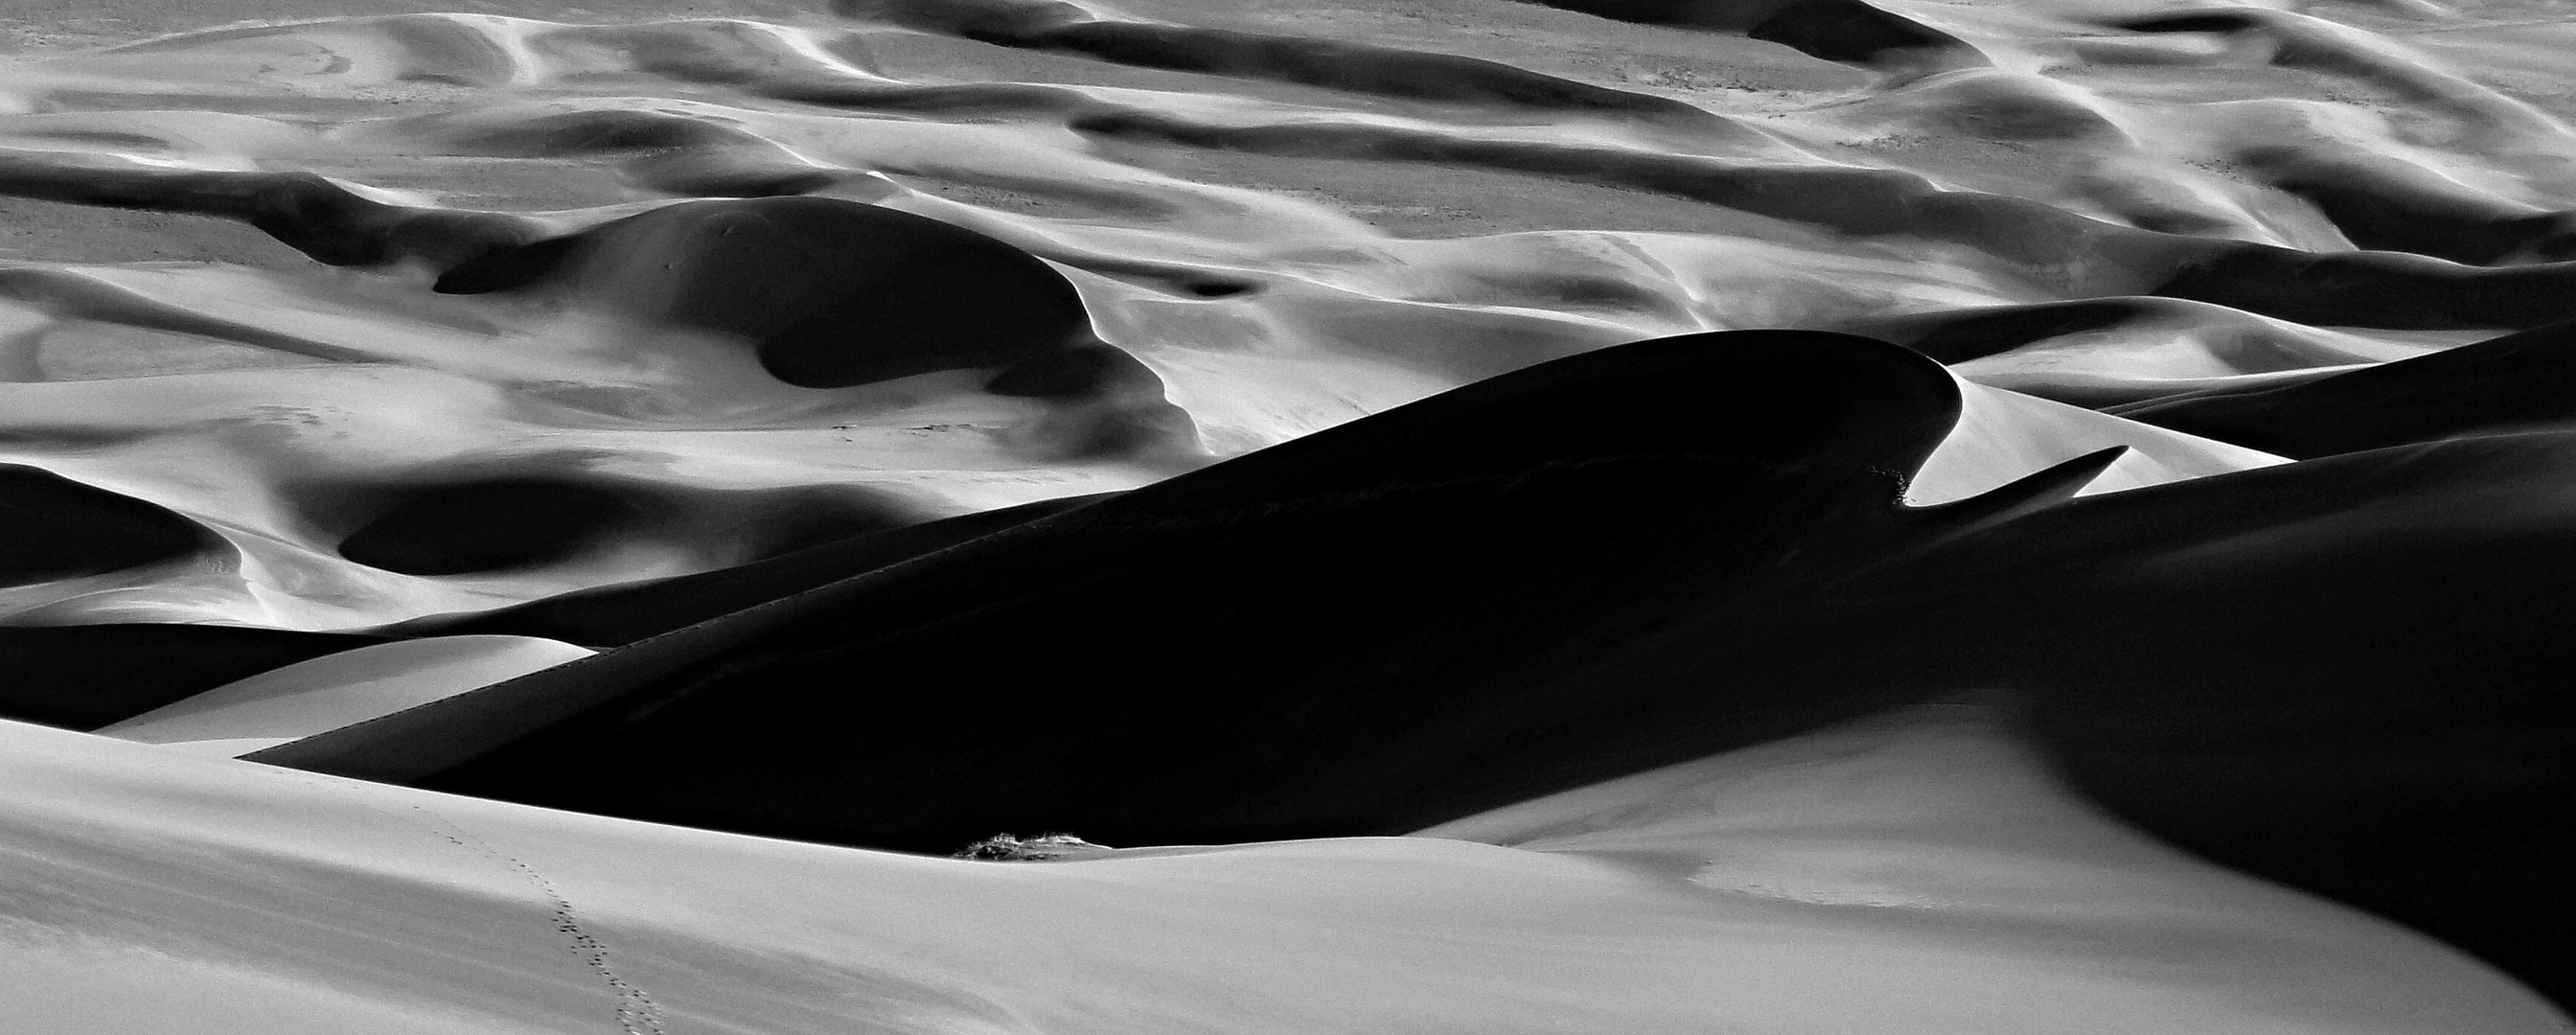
(1816, 515)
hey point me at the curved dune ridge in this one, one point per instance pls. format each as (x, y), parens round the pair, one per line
(1511, 515)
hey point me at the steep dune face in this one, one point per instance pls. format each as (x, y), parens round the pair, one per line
(1839, 495)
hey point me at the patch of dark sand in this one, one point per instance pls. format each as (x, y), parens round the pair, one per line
(99, 350)
(56, 231)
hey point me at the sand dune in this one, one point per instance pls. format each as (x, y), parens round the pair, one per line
(1879, 515)
(1965, 893)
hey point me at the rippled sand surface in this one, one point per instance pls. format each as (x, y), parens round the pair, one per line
(1817, 515)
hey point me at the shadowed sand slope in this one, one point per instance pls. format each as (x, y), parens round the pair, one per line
(86, 676)
(1644, 486)
(57, 528)
(1883, 515)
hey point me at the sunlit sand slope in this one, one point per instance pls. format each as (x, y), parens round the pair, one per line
(1952, 889)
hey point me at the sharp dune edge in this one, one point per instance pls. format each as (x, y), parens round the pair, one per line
(1569, 516)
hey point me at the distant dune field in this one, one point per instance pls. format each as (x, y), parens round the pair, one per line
(1584, 516)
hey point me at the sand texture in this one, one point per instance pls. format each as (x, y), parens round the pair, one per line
(1798, 516)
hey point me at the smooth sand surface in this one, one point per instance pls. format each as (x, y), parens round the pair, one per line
(1881, 515)
(1915, 875)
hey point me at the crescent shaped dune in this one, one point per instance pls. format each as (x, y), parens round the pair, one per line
(964, 517)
